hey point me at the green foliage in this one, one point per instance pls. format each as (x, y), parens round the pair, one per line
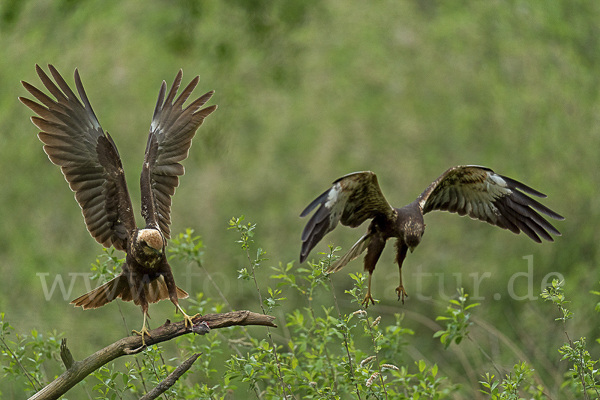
(458, 320)
(107, 266)
(582, 378)
(519, 380)
(187, 247)
(24, 357)
(555, 294)
(321, 358)
(114, 384)
(583, 370)
(326, 353)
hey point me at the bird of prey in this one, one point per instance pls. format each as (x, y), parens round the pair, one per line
(465, 189)
(74, 140)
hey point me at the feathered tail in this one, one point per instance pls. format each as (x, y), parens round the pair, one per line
(354, 252)
(119, 288)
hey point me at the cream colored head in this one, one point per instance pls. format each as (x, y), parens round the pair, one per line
(152, 238)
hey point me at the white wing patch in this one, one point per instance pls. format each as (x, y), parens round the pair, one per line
(336, 202)
(333, 195)
(479, 200)
(497, 179)
(497, 186)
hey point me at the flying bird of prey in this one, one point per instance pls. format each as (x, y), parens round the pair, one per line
(74, 140)
(467, 190)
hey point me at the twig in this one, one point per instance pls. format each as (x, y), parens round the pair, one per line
(580, 362)
(370, 326)
(133, 345)
(345, 339)
(217, 288)
(31, 378)
(283, 387)
(171, 379)
(137, 361)
(484, 353)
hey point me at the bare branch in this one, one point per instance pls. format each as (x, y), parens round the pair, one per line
(133, 345)
(171, 379)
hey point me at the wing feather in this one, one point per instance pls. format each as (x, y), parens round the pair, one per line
(359, 247)
(351, 200)
(482, 194)
(171, 132)
(74, 140)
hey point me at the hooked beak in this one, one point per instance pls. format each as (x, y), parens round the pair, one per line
(412, 248)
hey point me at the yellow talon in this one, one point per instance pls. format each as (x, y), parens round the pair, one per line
(143, 332)
(187, 318)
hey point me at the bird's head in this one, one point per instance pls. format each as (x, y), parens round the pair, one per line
(412, 241)
(151, 241)
(413, 233)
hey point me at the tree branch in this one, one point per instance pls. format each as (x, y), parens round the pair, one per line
(171, 379)
(133, 344)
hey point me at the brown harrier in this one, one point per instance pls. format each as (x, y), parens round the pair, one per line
(473, 190)
(90, 162)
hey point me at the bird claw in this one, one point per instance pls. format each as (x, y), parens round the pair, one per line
(368, 298)
(189, 320)
(401, 293)
(141, 333)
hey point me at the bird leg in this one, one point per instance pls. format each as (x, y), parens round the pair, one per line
(368, 298)
(172, 288)
(136, 285)
(144, 330)
(401, 250)
(374, 251)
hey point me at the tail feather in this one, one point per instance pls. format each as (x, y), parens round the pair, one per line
(103, 294)
(354, 252)
(119, 288)
(157, 290)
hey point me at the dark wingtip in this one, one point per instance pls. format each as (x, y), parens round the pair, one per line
(559, 217)
(313, 204)
(304, 251)
(525, 188)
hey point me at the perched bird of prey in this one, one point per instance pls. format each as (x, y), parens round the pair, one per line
(74, 140)
(467, 190)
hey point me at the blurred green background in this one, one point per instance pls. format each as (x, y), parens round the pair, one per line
(309, 91)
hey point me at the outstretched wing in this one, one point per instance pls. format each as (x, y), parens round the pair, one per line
(169, 141)
(74, 140)
(484, 195)
(351, 200)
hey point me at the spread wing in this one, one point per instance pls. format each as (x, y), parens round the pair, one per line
(351, 200)
(169, 141)
(74, 140)
(484, 195)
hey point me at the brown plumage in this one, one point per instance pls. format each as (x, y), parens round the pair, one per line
(467, 190)
(74, 140)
